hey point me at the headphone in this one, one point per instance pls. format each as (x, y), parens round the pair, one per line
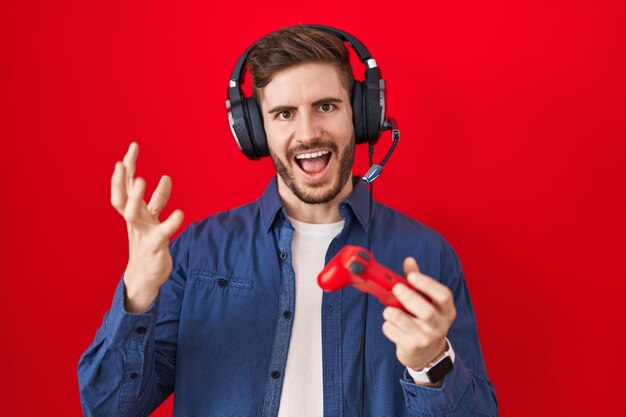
(368, 104)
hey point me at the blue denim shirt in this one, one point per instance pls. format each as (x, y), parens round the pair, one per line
(218, 333)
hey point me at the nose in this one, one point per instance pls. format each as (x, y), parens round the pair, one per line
(307, 128)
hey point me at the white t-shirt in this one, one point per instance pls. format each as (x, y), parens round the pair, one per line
(302, 393)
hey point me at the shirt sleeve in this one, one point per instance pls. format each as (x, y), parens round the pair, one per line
(129, 367)
(466, 390)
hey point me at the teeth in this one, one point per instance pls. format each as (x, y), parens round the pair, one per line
(311, 155)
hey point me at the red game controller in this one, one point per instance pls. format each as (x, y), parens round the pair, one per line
(356, 266)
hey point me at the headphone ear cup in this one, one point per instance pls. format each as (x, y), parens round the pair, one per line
(256, 129)
(372, 111)
(358, 112)
(238, 120)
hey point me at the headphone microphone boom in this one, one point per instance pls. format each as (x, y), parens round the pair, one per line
(376, 169)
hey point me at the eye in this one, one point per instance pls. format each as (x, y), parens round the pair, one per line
(284, 115)
(327, 107)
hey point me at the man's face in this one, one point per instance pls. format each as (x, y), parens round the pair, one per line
(308, 121)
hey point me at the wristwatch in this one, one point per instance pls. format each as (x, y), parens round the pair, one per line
(437, 369)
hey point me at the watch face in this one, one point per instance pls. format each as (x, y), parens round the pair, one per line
(441, 369)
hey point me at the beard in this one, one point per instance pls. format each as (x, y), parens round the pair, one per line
(346, 159)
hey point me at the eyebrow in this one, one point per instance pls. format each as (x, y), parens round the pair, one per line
(316, 103)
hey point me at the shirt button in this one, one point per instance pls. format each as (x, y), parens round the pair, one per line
(141, 330)
(221, 282)
(283, 255)
(287, 314)
(134, 375)
(275, 374)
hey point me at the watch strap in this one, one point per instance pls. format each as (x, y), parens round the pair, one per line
(436, 370)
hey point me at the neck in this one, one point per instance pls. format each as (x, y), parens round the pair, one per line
(313, 213)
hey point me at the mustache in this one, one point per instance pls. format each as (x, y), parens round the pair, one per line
(316, 144)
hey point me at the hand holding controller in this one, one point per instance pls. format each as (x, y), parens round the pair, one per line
(356, 266)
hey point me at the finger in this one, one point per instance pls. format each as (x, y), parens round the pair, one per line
(417, 305)
(440, 295)
(393, 333)
(132, 211)
(403, 321)
(160, 195)
(172, 223)
(410, 265)
(118, 188)
(130, 161)
(409, 340)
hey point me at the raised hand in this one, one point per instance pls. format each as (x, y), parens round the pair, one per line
(149, 259)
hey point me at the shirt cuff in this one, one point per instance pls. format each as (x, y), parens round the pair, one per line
(437, 400)
(129, 330)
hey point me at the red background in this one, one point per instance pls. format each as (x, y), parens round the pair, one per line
(513, 141)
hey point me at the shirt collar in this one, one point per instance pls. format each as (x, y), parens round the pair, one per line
(357, 201)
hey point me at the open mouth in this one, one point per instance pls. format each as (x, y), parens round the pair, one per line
(313, 162)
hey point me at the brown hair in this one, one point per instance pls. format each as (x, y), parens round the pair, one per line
(296, 45)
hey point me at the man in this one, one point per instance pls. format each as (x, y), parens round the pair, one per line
(233, 320)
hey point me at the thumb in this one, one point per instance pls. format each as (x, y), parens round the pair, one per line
(172, 223)
(410, 265)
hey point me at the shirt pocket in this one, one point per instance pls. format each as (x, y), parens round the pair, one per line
(216, 307)
(221, 284)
